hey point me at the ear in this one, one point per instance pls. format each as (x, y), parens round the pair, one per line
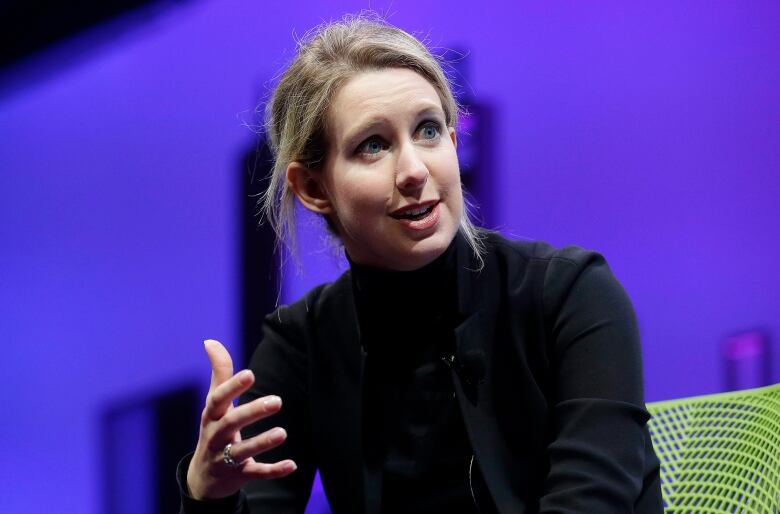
(307, 186)
(454, 137)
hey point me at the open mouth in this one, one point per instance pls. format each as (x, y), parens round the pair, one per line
(416, 214)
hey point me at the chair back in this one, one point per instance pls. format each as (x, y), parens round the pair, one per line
(719, 453)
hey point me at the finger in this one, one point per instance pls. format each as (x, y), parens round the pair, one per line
(219, 400)
(261, 470)
(241, 416)
(221, 363)
(258, 444)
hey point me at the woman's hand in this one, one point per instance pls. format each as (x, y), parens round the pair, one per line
(208, 476)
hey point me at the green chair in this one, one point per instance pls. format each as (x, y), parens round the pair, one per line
(719, 453)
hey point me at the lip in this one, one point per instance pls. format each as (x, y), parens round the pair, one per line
(421, 226)
(413, 207)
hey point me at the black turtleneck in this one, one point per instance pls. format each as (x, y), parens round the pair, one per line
(414, 426)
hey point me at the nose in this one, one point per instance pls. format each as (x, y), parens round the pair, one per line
(411, 172)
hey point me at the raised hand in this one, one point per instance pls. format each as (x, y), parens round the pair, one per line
(215, 472)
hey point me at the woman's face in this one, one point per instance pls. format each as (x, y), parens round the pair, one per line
(391, 173)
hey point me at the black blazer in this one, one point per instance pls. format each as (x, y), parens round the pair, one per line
(547, 373)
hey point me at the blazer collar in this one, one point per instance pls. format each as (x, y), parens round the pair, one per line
(476, 305)
(471, 275)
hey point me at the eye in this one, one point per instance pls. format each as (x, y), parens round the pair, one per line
(371, 146)
(429, 130)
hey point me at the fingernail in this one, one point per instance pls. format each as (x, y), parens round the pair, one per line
(245, 376)
(277, 435)
(272, 402)
(290, 466)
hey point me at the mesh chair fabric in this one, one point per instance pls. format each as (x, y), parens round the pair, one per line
(719, 453)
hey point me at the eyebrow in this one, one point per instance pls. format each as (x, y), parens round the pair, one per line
(372, 122)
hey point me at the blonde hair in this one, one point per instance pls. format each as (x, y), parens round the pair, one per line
(296, 116)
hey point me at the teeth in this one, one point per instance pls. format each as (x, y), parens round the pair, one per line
(416, 212)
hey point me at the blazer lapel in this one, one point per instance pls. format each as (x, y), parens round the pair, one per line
(364, 426)
(340, 404)
(479, 294)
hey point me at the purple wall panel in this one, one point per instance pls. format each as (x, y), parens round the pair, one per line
(651, 136)
(647, 132)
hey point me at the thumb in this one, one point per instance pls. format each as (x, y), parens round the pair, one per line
(221, 363)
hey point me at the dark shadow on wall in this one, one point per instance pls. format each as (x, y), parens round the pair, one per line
(259, 264)
(38, 39)
(142, 440)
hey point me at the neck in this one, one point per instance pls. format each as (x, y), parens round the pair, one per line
(394, 304)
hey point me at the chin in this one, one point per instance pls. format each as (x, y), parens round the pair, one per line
(422, 253)
(399, 252)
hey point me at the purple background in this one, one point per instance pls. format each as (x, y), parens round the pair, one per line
(650, 132)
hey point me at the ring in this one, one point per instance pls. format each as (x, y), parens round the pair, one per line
(227, 458)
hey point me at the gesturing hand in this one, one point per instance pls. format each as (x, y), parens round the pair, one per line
(209, 476)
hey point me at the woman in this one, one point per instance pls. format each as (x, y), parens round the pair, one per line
(450, 370)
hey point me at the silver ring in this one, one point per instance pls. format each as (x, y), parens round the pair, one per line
(227, 458)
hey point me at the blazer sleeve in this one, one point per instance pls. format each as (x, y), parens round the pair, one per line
(280, 367)
(598, 451)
